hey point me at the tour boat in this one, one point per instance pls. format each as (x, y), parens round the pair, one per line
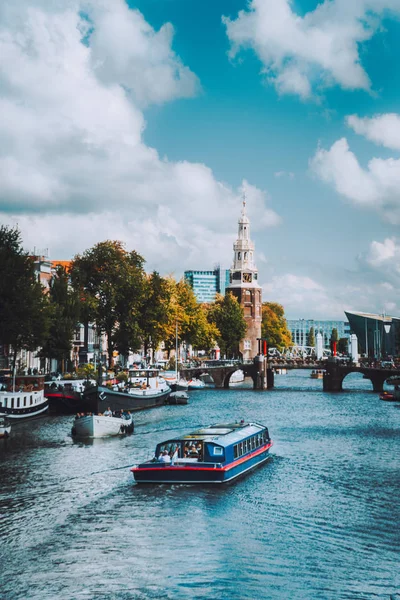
(24, 398)
(317, 374)
(5, 427)
(196, 384)
(144, 389)
(215, 454)
(178, 398)
(97, 426)
(65, 395)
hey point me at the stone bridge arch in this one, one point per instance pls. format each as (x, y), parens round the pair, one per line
(334, 376)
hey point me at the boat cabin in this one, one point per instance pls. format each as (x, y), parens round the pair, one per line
(215, 444)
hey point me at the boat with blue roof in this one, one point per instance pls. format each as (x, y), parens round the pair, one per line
(215, 454)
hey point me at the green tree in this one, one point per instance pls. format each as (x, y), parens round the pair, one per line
(64, 318)
(311, 338)
(110, 282)
(227, 315)
(274, 326)
(24, 317)
(156, 313)
(343, 345)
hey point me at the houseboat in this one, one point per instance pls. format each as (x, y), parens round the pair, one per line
(144, 389)
(23, 398)
(215, 454)
(65, 395)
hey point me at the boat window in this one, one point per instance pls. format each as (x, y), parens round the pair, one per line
(240, 449)
(235, 451)
(218, 451)
(24, 400)
(12, 402)
(17, 402)
(31, 400)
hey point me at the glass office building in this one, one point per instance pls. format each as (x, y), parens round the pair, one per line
(207, 284)
(300, 329)
(378, 335)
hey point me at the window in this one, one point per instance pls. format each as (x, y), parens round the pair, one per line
(24, 400)
(218, 451)
(235, 451)
(247, 344)
(17, 402)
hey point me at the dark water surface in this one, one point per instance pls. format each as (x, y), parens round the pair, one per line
(320, 520)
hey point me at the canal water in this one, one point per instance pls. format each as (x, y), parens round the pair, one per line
(319, 520)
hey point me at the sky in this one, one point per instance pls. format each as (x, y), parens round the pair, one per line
(146, 121)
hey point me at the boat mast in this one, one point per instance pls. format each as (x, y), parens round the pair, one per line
(176, 351)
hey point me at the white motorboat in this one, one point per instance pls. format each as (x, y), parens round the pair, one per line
(196, 384)
(23, 398)
(5, 427)
(98, 426)
(237, 376)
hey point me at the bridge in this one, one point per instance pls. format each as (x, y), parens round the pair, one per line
(262, 372)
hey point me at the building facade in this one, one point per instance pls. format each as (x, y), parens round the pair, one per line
(300, 329)
(243, 283)
(207, 284)
(378, 335)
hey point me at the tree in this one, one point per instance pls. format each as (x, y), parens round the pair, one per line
(110, 282)
(274, 326)
(24, 314)
(343, 346)
(156, 313)
(64, 317)
(227, 315)
(311, 338)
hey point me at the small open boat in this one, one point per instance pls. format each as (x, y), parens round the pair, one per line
(388, 396)
(97, 426)
(215, 454)
(5, 427)
(178, 398)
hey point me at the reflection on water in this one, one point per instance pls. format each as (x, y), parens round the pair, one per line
(320, 520)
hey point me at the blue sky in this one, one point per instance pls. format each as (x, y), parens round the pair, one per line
(148, 127)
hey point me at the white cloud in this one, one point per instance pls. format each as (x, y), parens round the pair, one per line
(73, 166)
(381, 252)
(376, 187)
(381, 129)
(303, 297)
(279, 174)
(321, 47)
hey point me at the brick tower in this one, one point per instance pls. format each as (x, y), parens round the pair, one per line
(244, 285)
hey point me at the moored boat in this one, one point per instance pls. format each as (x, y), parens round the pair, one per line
(24, 398)
(237, 376)
(215, 454)
(178, 398)
(196, 384)
(145, 389)
(5, 427)
(97, 426)
(65, 395)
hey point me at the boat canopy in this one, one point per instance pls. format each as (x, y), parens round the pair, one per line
(224, 434)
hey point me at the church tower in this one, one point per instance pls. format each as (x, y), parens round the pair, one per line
(244, 285)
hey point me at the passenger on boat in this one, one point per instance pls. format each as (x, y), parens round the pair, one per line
(175, 455)
(193, 453)
(164, 457)
(108, 412)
